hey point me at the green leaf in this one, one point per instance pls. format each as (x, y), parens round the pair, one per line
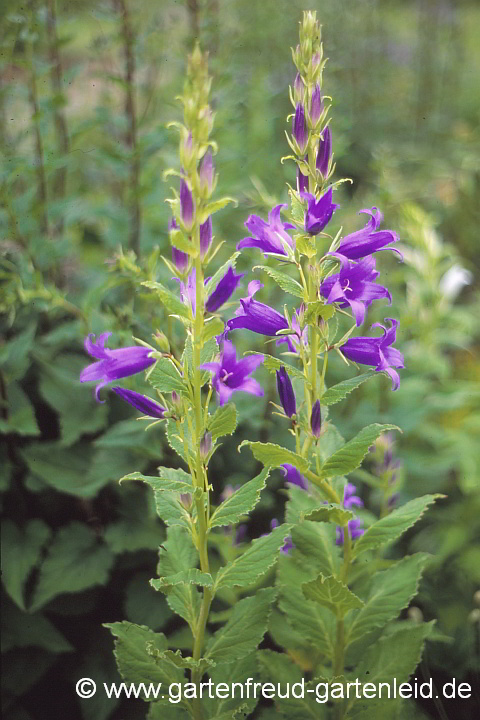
(171, 301)
(277, 667)
(244, 630)
(143, 605)
(305, 245)
(171, 510)
(174, 479)
(165, 377)
(176, 443)
(21, 551)
(21, 414)
(167, 711)
(332, 594)
(227, 708)
(350, 456)
(75, 561)
(272, 364)
(21, 630)
(393, 525)
(217, 205)
(192, 576)
(131, 535)
(180, 555)
(340, 391)
(283, 280)
(215, 279)
(391, 592)
(178, 240)
(271, 455)
(317, 309)
(223, 421)
(240, 503)
(214, 326)
(330, 513)
(176, 658)
(208, 352)
(255, 562)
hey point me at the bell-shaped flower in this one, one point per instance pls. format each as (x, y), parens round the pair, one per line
(285, 392)
(298, 337)
(316, 105)
(299, 128)
(324, 152)
(268, 237)
(113, 364)
(206, 173)
(205, 236)
(354, 286)
(319, 212)
(224, 290)
(187, 205)
(316, 419)
(377, 351)
(302, 181)
(230, 375)
(294, 476)
(255, 316)
(368, 240)
(141, 402)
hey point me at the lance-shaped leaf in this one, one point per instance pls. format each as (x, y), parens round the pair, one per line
(171, 301)
(332, 594)
(350, 456)
(215, 206)
(179, 556)
(165, 377)
(272, 455)
(390, 527)
(207, 353)
(272, 364)
(192, 576)
(214, 326)
(283, 280)
(340, 391)
(330, 513)
(21, 551)
(174, 479)
(177, 659)
(223, 421)
(241, 502)
(244, 630)
(391, 592)
(255, 562)
(171, 510)
(232, 706)
(211, 284)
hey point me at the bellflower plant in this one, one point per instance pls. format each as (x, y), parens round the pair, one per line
(337, 599)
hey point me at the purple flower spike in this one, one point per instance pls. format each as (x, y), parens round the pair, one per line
(256, 316)
(231, 376)
(324, 152)
(316, 419)
(140, 402)
(113, 364)
(224, 290)
(285, 391)
(187, 205)
(188, 290)
(296, 339)
(319, 212)
(205, 236)
(302, 182)
(206, 173)
(369, 239)
(353, 286)
(349, 497)
(354, 530)
(377, 352)
(299, 128)
(268, 236)
(316, 105)
(294, 476)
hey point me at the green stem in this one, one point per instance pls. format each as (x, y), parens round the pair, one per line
(323, 485)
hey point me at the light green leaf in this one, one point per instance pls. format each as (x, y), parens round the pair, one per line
(217, 205)
(330, 513)
(391, 592)
(272, 455)
(393, 525)
(21, 551)
(317, 309)
(223, 421)
(176, 658)
(171, 510)
(181, 242)
(332, 594)
(214, 326)
(192, 576)
(229, 708)
(350, 456)
(340, 391)
(255, 562)
(171, 301)
(215, 279)
(176, 443)
(283, 280)
(208, 352)
(277, 667)
(75, 561)
(167, 711)
(165, 377)
(240, 503)
(244, 630)
(174, 479)
(272, 364)
(180, 555)
(305, 245)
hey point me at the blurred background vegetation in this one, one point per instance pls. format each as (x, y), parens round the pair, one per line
(86, 91)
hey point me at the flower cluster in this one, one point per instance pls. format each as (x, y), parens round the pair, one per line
(354, 526)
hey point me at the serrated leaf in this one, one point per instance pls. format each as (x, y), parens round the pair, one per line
(192, 576)
(340, 391)
(223, 421)
(215, 279)
(165, 377)
(240, 503)
(171, 301)
(217, 205)
(317, 309)
(181, 447)
(390, 527)
(21, 414)
(212, 328)
(305, 245)
(209, 350)
(171, 510)
(350, 455)
(21, 551)
(330, 513)
(271, 455)
(179, 241)
(174, 479)
(255, 562)
(391, 592)
(228, 708)
(244, 630)
(176, 658)
(332, 594)
(25, 631)
(283, 280)
(180, 555)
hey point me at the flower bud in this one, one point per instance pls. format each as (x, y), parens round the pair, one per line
(316, 105)
(285, 392)
(302, 181)
(205, 445)
(186, 149)
(187, 206)
(177, 402)
(324, 152)
(299, 128)
(162, 341)
(205, 236)
(206, 174)
(298, 89)
(316, 419)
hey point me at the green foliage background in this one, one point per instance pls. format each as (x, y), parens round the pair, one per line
(84, 146)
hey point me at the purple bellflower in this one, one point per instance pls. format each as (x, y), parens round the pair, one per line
(285, 391)
(113, 364)
(319, 212)
(377, 351)
(255, 316)
(294, 476)
(179, 258)
(354, 525)
(205, 236)
(369, 239)
(187, 205)
(140, 402)
(299, 128)
(230, 376)
(316, 419)
(206, 173)
(354, 285)
(224, 290)
(324, 152)
(316, 105)
(302, 181)
(268, 236)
